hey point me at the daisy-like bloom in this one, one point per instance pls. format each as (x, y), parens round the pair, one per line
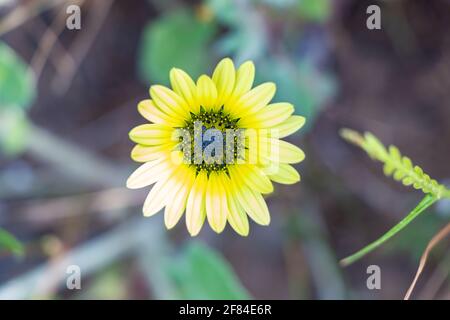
(213, 147)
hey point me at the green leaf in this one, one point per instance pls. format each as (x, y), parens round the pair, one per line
(17, 85)
(179, 40)
(14, 131)
(426, 202)
(10, 243)
(201, 273)
(315, 10)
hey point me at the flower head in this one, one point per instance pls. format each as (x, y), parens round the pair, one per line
(213, 147)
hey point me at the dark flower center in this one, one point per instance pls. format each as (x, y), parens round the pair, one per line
(211, 140)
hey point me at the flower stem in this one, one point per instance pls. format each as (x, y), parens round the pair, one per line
(426, 202)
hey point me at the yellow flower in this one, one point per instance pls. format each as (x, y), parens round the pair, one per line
(224, 179)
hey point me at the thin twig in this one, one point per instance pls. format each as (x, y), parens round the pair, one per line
(423, 260)
(81, 47)
(436, 279)
(57, 50)
(23, 13)
(48, 41)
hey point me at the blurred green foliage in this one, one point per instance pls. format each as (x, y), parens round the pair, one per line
(17, 91)
(10, 243)
(177, 39)
(311, 10)
(14, 131)
(315, 10)
(17, 88)
(201, 273)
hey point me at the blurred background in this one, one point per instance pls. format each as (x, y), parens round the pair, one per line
(68, 99)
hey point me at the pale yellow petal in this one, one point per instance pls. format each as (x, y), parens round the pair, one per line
(152, 113)
(279, 151)
(290, 153)
(260, 147)
(216, 203)
(169, 102)
(224, 77)
(141, 153)
(254, 100)
(291, 125)
(251, 147)
(236, 214)
(269, 116)
(206, 92)
(159, 195)
(195, 208)
(185, 87)
(178, 196)
(151, 134)
(286, 174)
(149, 173)
(253, 177)
(245, 76)
(252, 202)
